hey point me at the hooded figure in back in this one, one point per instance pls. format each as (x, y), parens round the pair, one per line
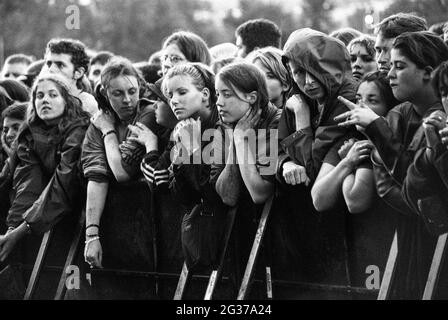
(320, 67)
(315, 244)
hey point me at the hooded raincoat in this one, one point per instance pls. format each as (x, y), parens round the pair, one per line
(328, 61)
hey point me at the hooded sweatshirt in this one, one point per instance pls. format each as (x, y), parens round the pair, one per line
(328, 60)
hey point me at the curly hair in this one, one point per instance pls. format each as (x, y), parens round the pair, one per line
(365, 40)
(73, 111)
(75, 48)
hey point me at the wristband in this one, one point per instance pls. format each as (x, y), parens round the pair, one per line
(109, 132)
(92, 225)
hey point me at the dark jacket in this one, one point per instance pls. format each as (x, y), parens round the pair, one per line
(190, 183)
(397, 137)
(47, 180)
(425, 187)
(327, 60)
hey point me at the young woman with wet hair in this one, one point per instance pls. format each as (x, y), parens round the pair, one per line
(269, 61)
(362, 56)
(47, 178)
(111, 164)
(190, 91)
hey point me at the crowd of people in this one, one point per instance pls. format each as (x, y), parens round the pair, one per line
(347, 131)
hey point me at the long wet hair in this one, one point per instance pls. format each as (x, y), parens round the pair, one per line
(246, 78)
(73, 112)
(271, 59)
(201, 75)
(116, 67)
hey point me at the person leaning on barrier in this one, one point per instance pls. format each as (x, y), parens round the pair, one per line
(47, 177)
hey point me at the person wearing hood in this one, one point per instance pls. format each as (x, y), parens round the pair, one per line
(47, 178)
(320, 67)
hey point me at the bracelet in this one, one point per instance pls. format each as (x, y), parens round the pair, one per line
(92, 235)
(109, 132)
(91, 240)
(28, 231)
(92, 225)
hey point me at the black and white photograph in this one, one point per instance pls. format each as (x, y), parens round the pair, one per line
(241, 151)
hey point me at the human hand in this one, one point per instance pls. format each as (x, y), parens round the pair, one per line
(93, 253)
(301, 111)
(345, 148)
(444, 135)
(143, 135)
(8, 150)
(295, 174)
(7, 244)
(103, 121)
(360, 114)
(359, 151)
(188, 133)
(247, 122)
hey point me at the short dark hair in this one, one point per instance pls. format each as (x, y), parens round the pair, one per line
(18, 58)
(101, 57)
(75, 48)
(150, 72)
(423, 48)
(259, 33)
(394, 25)
(382, 82)
(15, 111)
(346, 35)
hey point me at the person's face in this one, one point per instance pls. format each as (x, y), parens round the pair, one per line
(95, 72)
(383, 47)
(275, 87)
(49, 103)
(185, 99)
(61, 63)
(172, 56)
(242, 48)
(123, 94)
(369, 93)
(362, 62)
(443, 90)
(164, 114)
(10, 128)
(13, 70)
(405, 78)
(231, 107)
(307, 83)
